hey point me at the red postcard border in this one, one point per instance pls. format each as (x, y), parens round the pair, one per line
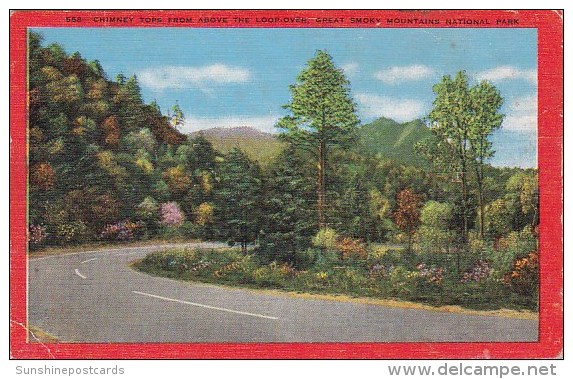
(550, 162)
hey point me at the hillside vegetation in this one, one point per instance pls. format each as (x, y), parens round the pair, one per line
(385, 138)
(259, 146)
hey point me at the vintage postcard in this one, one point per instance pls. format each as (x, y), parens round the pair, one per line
(286, 184)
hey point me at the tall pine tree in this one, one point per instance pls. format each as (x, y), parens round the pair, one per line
(322, 116)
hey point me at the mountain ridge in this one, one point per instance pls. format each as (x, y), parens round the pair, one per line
(382, 137)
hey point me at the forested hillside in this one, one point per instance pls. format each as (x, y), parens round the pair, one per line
(388, 139)
(101, 161)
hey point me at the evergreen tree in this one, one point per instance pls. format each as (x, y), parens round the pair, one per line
(322, 116)
(289, 215)
(239, 199)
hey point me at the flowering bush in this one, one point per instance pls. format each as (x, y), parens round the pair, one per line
(480, 270)
(272, 275)
(402, 282)
(431, 274)
(171, 214)
(37, 235)
(201, 265)
(242, 267)
(379, 271)
(524, 278)
(121, 231)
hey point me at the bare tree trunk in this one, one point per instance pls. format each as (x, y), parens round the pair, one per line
(321, 184)
(481, 206)
(464, 204)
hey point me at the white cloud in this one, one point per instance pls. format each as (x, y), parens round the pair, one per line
(383, 106)
(502, 73)
(262, 123)
(397, 74)
(169, 77)
(350, 68)
(521, 114)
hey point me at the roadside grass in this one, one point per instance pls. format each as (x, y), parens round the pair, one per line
(353, 282)
(99, 246)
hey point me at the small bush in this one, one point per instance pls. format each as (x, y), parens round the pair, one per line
(389, 257)
(306, 258)
(479, 271)
(430, 274)
(524, 278)
(148, 209)
(379, 271)
(351, 249)
(325, 260)
(72, 232)
(37, 236)
(121, 231)
(507, 249)
(325, 239)
(171, 214)
(402, 282)
(274, 275)
(239, 270)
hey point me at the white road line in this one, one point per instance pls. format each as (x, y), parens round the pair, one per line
(88, 260)
(78, 273)
(205, 306)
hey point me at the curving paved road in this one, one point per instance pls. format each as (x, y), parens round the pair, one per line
(96, 297)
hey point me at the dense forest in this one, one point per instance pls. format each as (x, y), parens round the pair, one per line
(425, 210)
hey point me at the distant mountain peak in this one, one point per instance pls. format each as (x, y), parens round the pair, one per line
(390, 139)
(235, 132)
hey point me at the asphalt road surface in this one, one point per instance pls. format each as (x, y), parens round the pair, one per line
(96, 297)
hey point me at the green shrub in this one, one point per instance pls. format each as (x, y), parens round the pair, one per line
(267, 277)
(325, 239)
(509, 248)
(72, 232)
(327, 259)
(305, 259)
(402, 282)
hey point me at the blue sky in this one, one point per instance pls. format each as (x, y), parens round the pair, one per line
(236, 77)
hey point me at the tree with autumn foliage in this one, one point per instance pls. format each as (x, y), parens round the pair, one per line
(407, 212)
